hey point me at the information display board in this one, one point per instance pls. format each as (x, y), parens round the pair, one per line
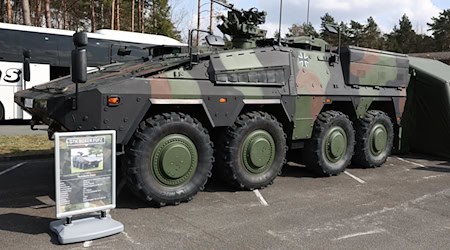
(85, 172)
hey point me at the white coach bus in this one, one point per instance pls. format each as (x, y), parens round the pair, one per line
(50, 51)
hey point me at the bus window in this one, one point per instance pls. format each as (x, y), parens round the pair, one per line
(44, 47)
(65, 47)
(136, 51)
(98, 52)
(11, 46)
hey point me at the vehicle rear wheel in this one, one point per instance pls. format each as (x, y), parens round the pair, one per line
(252, 152)
(374, 139)
(2, 112)
(330, 149)
(169, 159)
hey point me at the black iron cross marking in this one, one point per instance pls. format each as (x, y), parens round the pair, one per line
(303, 60)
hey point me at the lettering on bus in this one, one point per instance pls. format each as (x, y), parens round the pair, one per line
(11, 75)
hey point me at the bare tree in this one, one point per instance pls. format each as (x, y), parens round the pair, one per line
(132, 15)
(113, 12)
(64, 8)
(26, 12)
(139, 15)
(9, 10)
(118, 14)
(92, 16)
(48, 17)
(2, 5)
(38, 16)
(142, 16)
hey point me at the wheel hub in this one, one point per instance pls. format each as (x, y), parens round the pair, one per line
(378, 139)
(174, 160)
(258, 151)
(335, 144)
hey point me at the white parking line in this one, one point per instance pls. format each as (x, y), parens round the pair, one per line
(355, 178)
(376, 231)
(410, 162)
(261, 198)
(12, 168)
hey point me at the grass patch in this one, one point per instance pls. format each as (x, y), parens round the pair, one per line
(25, 145)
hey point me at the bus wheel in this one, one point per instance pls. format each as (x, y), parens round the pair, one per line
(374, 139)
(252, 151)
(169, 159)
(2, 112)
(330, 149)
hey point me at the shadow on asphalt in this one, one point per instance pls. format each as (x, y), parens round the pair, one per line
(26, 224)
(15, 122)
(437, 169)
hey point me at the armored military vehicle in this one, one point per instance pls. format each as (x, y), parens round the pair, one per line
(239, 110)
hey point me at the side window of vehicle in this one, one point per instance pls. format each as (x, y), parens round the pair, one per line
(11, 44)
(65, 47)
(98, 52)
(43, 47)
(122, 52)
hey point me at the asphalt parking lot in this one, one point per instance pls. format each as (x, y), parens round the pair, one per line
(403, 205)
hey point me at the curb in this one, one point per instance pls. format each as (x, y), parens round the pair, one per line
(26, 157)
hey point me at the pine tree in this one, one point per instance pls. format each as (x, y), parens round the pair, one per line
(440, 26)
(333, 39)
(302, 30)
(371, 35)
(160, 22)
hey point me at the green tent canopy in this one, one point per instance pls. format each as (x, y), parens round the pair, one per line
(426, 121)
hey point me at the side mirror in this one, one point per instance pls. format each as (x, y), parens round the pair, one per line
(79, 58)
(215, 41)
(80, 39)
(26, 65)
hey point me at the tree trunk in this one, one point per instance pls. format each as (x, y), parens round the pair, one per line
(118, 14)
(37, 21)
(143, 17)
(102, 15)
(48, 16)
(139, 15)
(26, 12)
(113, 13)
(155, 21)
(9, 10)
(92, 16)
(132, 15)
(2, 5)
(64, 4)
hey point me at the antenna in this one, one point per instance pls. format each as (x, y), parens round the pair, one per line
(279, 27)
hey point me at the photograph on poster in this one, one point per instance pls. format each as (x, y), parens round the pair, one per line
(86, 159)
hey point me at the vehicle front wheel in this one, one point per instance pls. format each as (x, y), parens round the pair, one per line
(169, 159)
(331, 147)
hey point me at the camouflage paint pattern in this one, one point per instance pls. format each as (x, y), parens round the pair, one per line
(306, 80)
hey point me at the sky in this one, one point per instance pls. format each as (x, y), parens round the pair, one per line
(385, 12)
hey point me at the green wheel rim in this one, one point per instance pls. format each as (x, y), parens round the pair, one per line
(258, 152)
(335, 144)
(174, 160)
(378, 139)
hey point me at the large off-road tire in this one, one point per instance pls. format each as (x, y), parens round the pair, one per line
(2, 112)
(331, 147)
(251, 153)
(169, 159)
(374, 139)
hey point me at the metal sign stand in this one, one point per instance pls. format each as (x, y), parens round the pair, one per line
(90, 228)
(85, 186)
